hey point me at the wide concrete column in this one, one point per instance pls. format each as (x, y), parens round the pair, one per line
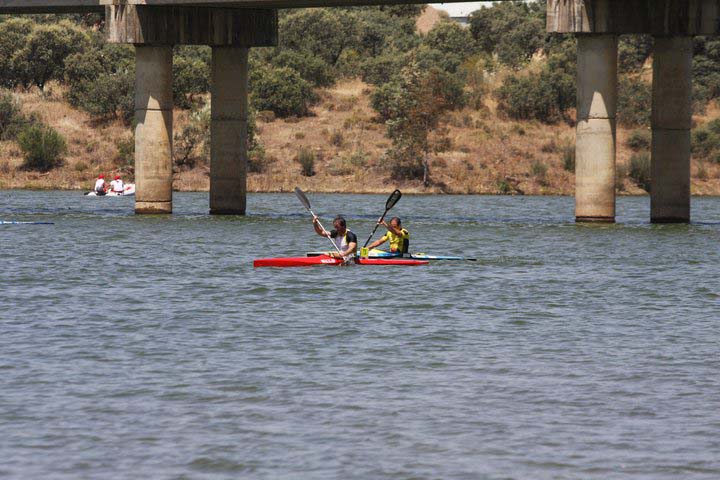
(671, 124)
(228, 130)
(153, 133)
(595, 141)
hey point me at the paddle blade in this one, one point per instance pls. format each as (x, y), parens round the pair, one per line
(303, 199)
(392, 199)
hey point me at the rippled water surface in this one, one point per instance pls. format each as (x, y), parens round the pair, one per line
(148, 346)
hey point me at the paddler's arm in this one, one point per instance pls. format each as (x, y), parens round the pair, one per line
(352, 248)
(318, 229)
(378, 242)
(396, 231)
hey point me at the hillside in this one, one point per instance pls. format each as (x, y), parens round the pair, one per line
(487, 154)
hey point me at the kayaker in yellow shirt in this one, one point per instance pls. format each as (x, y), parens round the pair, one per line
(398, 237)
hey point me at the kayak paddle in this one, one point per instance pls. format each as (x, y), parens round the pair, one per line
(306, 203)
(391, 201)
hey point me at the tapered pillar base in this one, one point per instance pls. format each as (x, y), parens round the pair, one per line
(595, 219)
(153, 207)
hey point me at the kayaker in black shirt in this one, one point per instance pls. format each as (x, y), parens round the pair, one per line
(344, 239)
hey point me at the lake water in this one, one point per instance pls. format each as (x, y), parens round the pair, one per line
(148, 346)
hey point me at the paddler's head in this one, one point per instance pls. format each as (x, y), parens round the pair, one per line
(395, 222)
(340, 225)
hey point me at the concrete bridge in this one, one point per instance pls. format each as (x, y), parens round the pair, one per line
(231, 27)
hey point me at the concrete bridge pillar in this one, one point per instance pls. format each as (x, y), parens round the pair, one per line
(154, 30)
(595, 141)
(228, 130)
(671, 124)
(153, 132)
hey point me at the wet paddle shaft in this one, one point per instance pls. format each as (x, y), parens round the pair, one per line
(304, 200)
(391, 201)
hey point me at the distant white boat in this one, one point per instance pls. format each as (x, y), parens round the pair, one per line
(129, 191)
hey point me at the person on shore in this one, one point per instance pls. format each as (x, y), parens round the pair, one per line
(100, 185)
(397, 236)
(344, 239)
(117, 185)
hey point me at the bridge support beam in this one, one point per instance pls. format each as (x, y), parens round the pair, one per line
(228, 130)
(671, 124)
(596, 137)
(153, 133)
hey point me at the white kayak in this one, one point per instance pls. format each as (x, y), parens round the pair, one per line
(129, 191)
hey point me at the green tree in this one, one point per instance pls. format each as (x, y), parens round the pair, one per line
(101, 80)
(13, 35)
(634, 100)
(42, 58)
(411, 106)
(450, 38)
(191, 76)
(325, 33)
(282, 91)
(512, 30)
(633, 52)
(310, 67)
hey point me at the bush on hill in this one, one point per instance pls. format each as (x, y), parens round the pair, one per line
(191, 75)
(42, 147)
(634, 102)
(282, 91)
(101, 80)
(640, 170)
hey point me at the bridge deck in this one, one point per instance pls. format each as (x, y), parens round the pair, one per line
(63, 6)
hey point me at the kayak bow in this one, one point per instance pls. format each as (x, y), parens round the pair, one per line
(328, 260)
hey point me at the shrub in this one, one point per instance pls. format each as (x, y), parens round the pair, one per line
(306, 158)
(639, 140)
(539, 170)
(621, 172)
(705, 142)
(568, 156)
(191, 144)
(257, 161)
(282, 91)
(545, 97)
(266, 116)
(634, 100)
(702, 172)
(125, 151)
(640, 170)
(191, 76)
(380, 70)
(337, 138)
(42, 147)
(310, 67)
(10, 115)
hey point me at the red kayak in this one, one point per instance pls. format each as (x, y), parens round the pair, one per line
(327, 260)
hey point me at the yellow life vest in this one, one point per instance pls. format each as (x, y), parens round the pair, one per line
(398, 243)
